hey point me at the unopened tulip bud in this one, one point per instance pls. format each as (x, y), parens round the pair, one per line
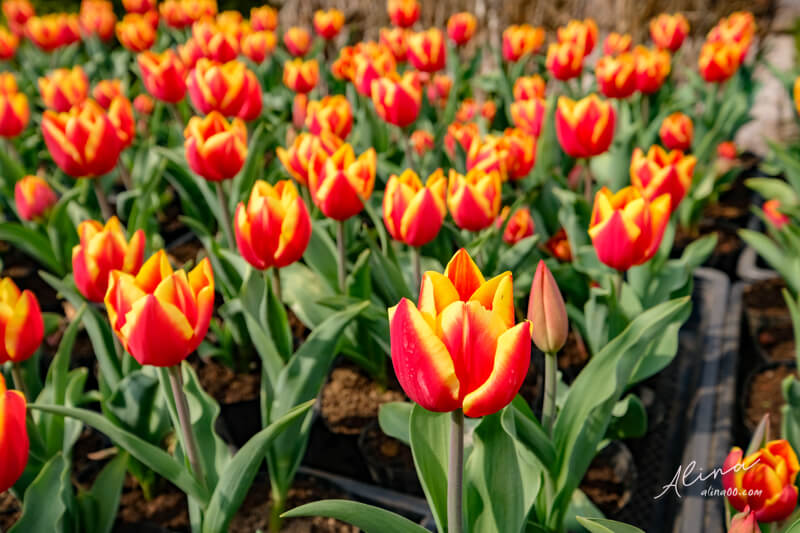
(744, 522)
(547, 312)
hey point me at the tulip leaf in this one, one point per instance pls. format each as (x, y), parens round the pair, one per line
(521, 424)
(771, 188)
(47, 500)
(32, 243)
(775, 256)
(367, 518)
(394, 419)
(98, 506)
(430, 444)
(240, 472)
(603, 525)
(629, 419)
(152, 456)
(320, 255)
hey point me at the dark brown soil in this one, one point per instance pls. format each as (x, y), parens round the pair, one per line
(225, 386)
(390, 461)
(532, 387)
(299, 330)
(728, 242)
(188, 252)
(609, 481)
(25, 273)
(91, 452)
(764, 396)
(765, 294)
(778, 343)
(350, 400)
(167, 509)
(10, 510)
(574, 356)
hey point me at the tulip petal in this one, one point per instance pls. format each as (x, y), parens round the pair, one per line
(497, 294)
(464, 274)
(733, 472)
(25, 331)
(13, 437)
(157, 332)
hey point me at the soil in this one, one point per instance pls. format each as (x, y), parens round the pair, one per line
(168, 508)
(764, 396)
(24, 271)
(765, 307)
(350, 400)
(728, 247)
(187, 252)
(573, 357)
(390, 461)
(299, 330)
(225, 386)
(609, 481)
(734, 204)
(10, 510)
(778, 343)
(532, 387)
(89, 456)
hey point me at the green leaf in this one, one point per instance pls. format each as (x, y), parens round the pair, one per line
(520, 422)
(630, 419)
(602, 525)
(47, 499)
(98, 506)
(240, 472)
(394, 418)
(430, 444)
(32, 243)
(365, 517)
(771, 188)
(152, 456)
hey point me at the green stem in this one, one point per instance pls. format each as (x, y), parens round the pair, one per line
(275, 520)
(226, 215)
(181, 405)
(587, 181)
(276, 283)
(549, 403)
(342, 256)
(455, 475)
(416, 258)
(105, 207)
(618, 286)
(19, 382)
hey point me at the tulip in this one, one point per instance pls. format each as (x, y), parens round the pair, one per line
(161, 316)
(264, 18)
(521, 40)
(661, 172)
(300, 76)
(616, 76)
(489, 155)
(214, 41)
(669, 31)
(143, 104)
(488, 110)
(8, 84)
(519, 227)
(14, 442)
(520, 153)
(14, 114)
(414, 213)
(727, 150)
(439, 89)
(253, 102)
(17, 13)
(50, 32)
(332, 113)
(773, 214)
(328, 23)
(139, 6)
(796, 94)
(474, 199)
(299, 108)
(190, 53)
(426, 50)
(461, 27)
(564, 60)
(182, 13)
(403, 13)
(529, 87)
(136, 33)
(297, 158)
(33, 197)
(8, 44)
(120, 113)
(464, 134)
(163, 75)
(215, 148)
(471, 316)
(738, 28)
(744, 522)
(652, 68)
(105, 91)
(421, 141)
(558, 246)
(585, 128)
(97, 18)
(677, 131)
(257, 46)
(297, 40)
(341, 183)
(273, 228)
(63, 88)
(581, 33)
(397, 101)
(719, 61)
(764, 481)
(367, 69)
(396, 40)
(547, 312)
(102, 250)
(467, 110)
(625, 228)
(617, 43)
(528, 115)
(218, 87)
(83, 141)
(21, 324)
(229, 18)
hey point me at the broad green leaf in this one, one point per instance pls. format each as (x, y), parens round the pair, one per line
(430, 444)
(32, 243)
(519, 422)
(365, 517)
(602, 525)
(47, 500)
(629, 419)
(98, 506)
(394, 418)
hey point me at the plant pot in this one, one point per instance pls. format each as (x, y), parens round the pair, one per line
(764, 306)
(610, 481)
(749, 269)
(726, 253)
(763, 394)
(389, 461)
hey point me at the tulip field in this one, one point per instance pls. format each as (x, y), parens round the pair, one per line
(265, 268)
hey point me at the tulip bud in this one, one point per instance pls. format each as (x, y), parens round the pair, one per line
(519, 227)
(397, 101)
(396, 40)
(414, 213)
(33, 197)
(163, 75)
(341, 183)
(421, 141)
(264, 18)
(652, 68)
(8, 44)
(328, 23)
(564, 60)
(547, 312)
(521, 40)
(617, 43)
(771, 210)
(215, 148)
(727, 150)
(677, 131)
(161, 316)
(439, 89)
(17, 13)
(64, 88)
(529, 87)
(332, 113)
(426, 50)
(474, 199)
(461, 27)
(403, 13)
(297, 41)
(669, 31)
(136, 33)
(581, 33)
(585, 128)
(259, 45)
(300, 76)
(143, 104)
(14, 442)
(661, 172)
(528, 115)
(21, 324)
(744, 522)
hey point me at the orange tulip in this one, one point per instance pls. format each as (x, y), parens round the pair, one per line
(120, 113)
(564, 60)
(520, 153)
(459, 348)
(328, 23)
(139, 6)
(297, 40)
(182, 13)
(215, 148)
(403, 13)
(488, 110)
(773, 214)
(136, 33)
(33, 197)
(299, 108)
(669, 31)
(214, 41)
(474, 199)
(421, 141)
(14, 113)
(796, 94)
(677, 131)
(719, 60)
(159, 315)
(163, 75)
(103, 249)
(763, 481)
(300, 76)
(297, 158)
(467, 110)
(461, 27)
(581, 33)
(332, 113)
(8, 44)
(521, 40)
(727, 150)
(652, 68)
(257, 46)
(661, 172)
(396, 40)
(529, 87)
(274, 228)
(414, 213)
(426, 50)
(105, 91)
(397, 101)
(617, 43)
(558, 246)
(143, 104)
(616, 76)
(14, 443)
(63, 88)
(464, 134)
(82, 141)
(439, 89)
(625, 228)
(97, 18)
(17, 13)
(528, 115)
(264, 18)
(21, 324)
(585, 128)
(341, 183)
(519, 227)
(50, 32)
(218, 87)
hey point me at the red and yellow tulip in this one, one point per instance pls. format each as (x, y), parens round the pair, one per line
(163, 75)
(719, 60)
(520, 149)
(660, 172)
(582, 33)
(14, 443)
(182, 13)
(403, 13)
(519, 227)
(17, 13)
(14, 111)
(528, 115)
(189, 53)
(421, 141)
(738, 28)
(652, 68)
(616, 76)
(33, 197)
(397, 100)
(332, 113)
(547, 312)
(474, 199)
(63, 88)
(258, 45)
(328, 23)
(475, 358)
(529, 87)
(521, 40)
(120, 113)
(773, 213)
(370, 65)
(135, 32)
(300, 76)
(413, 212)
(220, 87)
(677, 131)
(273, 228)
(464, 134)
(97, 18)
(585, 128)
(105, 91)
(564, 60)
(461, 27)
(558, 246)
(264, 18)
(215, 41)
(21, 324)
(159, 315)
(439, 89)
(215, 148)
(297, 158)
(297, 41)
(8, 44)
(489, 154)
(669, 31)
(50, 32)
(625, 228)
(139, 6)
(396, 40)
(617, 43)
(426, 50)
(341, 183)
